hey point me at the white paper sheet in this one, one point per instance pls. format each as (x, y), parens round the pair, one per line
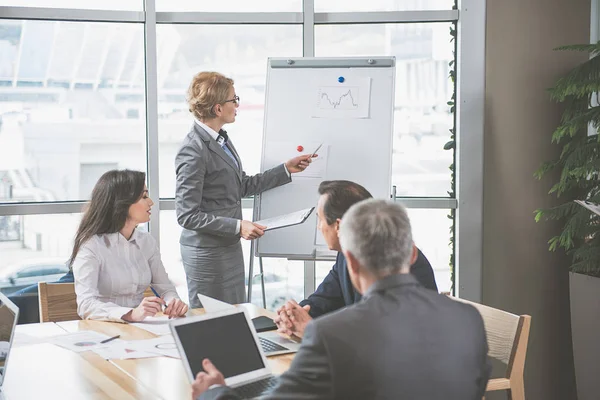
(213, 305)
(164, 346)
(82, 341)
(348, 99)
(157, 325)
(279, 152)
(122, 351)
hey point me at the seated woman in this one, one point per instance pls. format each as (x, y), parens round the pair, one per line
(113, 262)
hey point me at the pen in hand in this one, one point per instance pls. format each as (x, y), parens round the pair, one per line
(110, 339)
(164, 306)
(314, 153)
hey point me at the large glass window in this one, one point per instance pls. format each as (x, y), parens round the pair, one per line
(422, 118)
(72, 106)
(239, 52)
(35, 248)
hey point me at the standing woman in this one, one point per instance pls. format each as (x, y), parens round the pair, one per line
(210, 185)
(113, 262)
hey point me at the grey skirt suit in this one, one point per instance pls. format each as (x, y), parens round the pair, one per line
(208, 204)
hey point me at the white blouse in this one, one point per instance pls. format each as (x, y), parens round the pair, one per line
(112, 273)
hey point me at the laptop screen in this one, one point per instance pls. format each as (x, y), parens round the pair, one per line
(227, 341)
(7, 324)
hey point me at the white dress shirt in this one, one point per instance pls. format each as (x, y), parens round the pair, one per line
(112, 273)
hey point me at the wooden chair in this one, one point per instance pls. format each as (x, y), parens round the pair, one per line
(507, 337)
(58, 302)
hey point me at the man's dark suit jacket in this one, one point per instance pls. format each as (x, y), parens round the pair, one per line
(336, 290)
(401, 342)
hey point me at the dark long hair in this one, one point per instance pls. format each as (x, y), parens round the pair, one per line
(108, 208)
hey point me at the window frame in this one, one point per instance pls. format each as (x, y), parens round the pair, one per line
(470, 60)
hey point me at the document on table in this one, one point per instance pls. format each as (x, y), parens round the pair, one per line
(282, 221)
(595, 208)
(122, 350)
(164, 346)
(82, 341)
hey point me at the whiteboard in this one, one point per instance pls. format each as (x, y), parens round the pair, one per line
(345, 103)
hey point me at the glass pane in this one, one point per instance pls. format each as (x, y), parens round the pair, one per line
(121, 5)
(422, 118)
(431, 233)
(230, 6)
(283, 279)
(72, 106)
(239, 52)
(33, 249)
(170, 252)
(381, 5)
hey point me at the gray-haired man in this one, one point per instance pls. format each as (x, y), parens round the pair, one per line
(400, 341)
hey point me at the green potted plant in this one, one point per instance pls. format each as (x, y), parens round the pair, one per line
(579, 168)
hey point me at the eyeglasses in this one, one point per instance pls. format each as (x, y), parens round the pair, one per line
(235, 100)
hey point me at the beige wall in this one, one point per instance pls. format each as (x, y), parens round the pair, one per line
(519, 274)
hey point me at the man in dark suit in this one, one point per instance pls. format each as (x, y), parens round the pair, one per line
(336, 290)
(400, 341)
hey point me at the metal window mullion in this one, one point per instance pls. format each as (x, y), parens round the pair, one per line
(70, 207)
(152, 112)
(375, 17)
(278, 18)
(429, 203)
(308, 50)
(469, 157)
(308, 28)
(68, 14)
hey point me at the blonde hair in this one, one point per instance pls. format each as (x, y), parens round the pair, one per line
(207, 90)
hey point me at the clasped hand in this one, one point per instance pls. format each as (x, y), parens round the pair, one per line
(292, 318)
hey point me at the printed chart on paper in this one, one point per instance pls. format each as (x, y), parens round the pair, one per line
(338, 97)
(348, 100)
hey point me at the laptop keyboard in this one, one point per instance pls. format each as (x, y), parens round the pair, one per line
(269, 346)
(255, 389)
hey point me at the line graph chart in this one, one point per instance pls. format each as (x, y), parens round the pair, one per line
(338, 98)
(347, 100)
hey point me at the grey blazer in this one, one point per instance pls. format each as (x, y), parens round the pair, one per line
(210, 187)
(401, 342)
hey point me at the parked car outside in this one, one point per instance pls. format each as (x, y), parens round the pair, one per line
(31, 271)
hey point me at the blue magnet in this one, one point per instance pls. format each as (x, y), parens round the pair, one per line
(341, 79)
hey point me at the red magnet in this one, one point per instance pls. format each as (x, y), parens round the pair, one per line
(300, 148)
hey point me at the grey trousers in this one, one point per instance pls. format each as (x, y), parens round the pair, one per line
(216, 272)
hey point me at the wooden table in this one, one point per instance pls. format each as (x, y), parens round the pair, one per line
(42, 370)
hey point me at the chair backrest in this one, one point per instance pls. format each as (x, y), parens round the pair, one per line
(148, 292)
(507, 335)
(58, 302)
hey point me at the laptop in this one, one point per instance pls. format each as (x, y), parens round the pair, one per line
(9, 315)
(272, 343)
(232, 345)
